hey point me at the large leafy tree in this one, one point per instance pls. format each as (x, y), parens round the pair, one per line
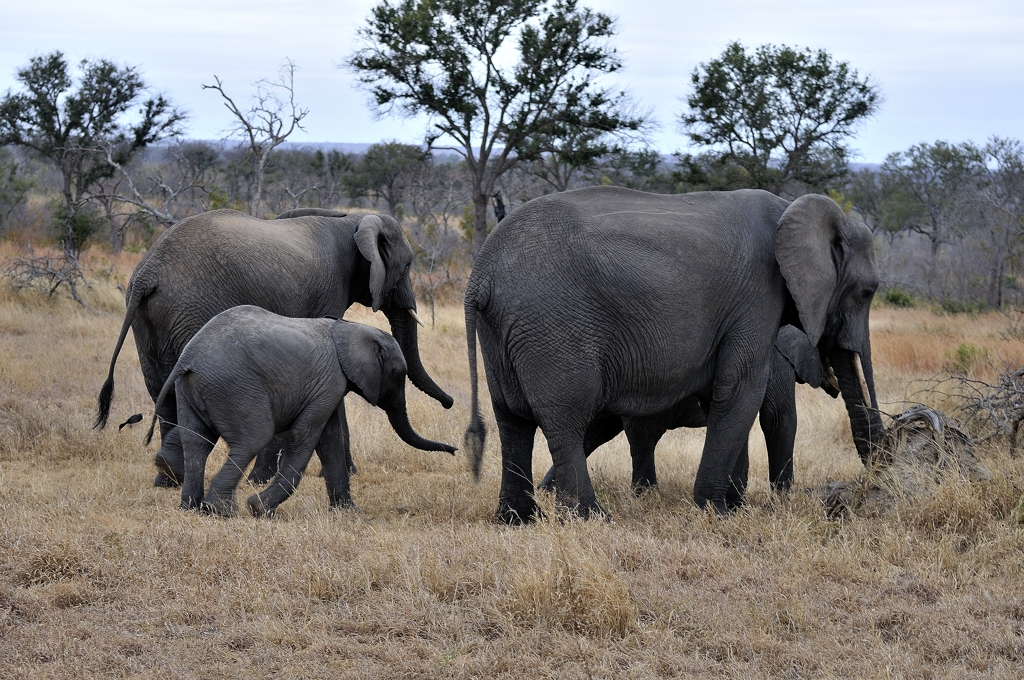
(83, 126)
(779, 114)
(494, 77)
(385, 171)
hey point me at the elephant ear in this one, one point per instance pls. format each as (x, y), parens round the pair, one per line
(804, 357)
(359, 354)
(808, 232)
(380, 239)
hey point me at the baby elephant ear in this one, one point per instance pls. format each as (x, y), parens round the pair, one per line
(804, 357)
(359, 354)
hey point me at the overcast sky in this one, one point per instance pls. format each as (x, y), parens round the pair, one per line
(947, 70)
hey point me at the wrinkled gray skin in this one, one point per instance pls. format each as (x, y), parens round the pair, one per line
(249, 375)
(607, 301)
(794, 360)
(307, 263)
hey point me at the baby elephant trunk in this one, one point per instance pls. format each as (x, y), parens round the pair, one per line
(399, 420)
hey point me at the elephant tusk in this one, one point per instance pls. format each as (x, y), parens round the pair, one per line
(412, 313)
(859, 369)
(831, 375)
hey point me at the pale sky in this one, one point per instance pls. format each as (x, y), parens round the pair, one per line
(947, 70)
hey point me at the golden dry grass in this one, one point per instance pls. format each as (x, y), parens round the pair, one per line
(102, 576)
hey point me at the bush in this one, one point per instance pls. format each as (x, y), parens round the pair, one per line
(950, 306)
(894, 297)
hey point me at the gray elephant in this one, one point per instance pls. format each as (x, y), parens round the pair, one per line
(250, 374)
(611, 301)
(307, 263)
(794, 360)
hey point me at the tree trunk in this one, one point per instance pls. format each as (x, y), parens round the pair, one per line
(480, 205)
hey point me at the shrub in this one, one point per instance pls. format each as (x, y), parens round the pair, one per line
(894, 297)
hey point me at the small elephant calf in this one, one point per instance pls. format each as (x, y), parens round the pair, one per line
(249, 375)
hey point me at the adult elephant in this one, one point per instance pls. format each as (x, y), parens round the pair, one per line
(306, 263)
(795, 360)
(611, 301)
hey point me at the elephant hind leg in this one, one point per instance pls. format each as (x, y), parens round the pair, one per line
(300, 442)
(220, 499)
(267, 462)
(516, 502)
(197, 440)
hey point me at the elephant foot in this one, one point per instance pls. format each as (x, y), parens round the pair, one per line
(641, 489)
(162, 481)
(345, 506)
(219, 505)
(588, 511)
(257, 508)
(190, 504)
(517, 516)
(166, 476)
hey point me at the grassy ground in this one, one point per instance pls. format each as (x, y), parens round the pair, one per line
(102, 575)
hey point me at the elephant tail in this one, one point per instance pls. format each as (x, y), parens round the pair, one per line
(179, 370)
(476, 433)
(137, 291)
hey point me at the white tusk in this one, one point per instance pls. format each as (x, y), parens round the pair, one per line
(831, 375)
(859, 368)
(412, 313)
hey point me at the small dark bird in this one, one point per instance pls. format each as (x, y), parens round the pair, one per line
(137, 418)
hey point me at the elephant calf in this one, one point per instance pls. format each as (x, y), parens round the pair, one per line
(249, 375)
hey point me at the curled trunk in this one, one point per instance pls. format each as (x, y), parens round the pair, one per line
(399, 419)
(403, 327)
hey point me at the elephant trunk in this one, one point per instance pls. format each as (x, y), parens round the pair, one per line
(856, 382)
(399, 419)
(403, 327)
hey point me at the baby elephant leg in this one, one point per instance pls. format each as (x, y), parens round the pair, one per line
(197, 440)
(220, 499)
(298, 450)
(332, 449)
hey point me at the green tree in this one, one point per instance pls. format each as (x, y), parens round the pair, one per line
(385, 171)
(492, 76)
(14, 187)
(781, 114)
(83, 127)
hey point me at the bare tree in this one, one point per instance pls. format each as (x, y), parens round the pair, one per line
(269, 121)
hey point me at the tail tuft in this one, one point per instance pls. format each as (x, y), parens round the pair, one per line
(476, 435)
(105, 398)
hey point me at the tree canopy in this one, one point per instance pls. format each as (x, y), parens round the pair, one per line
(495, 78)
(82, 126)
(779, 114)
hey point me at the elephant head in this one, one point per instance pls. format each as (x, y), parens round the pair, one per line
(382, 242)
(828, 261)
(376, 368)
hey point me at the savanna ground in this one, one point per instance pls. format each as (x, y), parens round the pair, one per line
(102, 575)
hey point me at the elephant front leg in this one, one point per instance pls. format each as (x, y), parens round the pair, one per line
(333, 449)
(516, 503)
(738, 393)
(779, 424)
(643, 435)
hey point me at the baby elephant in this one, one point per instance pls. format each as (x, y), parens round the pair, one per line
(249, 375)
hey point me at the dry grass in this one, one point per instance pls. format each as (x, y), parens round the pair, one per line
(101, 575)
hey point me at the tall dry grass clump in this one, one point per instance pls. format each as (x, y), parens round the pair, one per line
(102, 576)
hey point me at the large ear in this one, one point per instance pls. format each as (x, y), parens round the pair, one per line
(360, 357)
(380, 239)
(367, 237)
(804, 357)
(808, 231)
